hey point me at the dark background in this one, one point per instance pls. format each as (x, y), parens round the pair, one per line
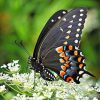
(24, 20)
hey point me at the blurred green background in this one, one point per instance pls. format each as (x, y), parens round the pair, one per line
(24, 20)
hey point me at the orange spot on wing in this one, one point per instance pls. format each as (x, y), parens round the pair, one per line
(62, 54)
(67, 65)
(79, 59)
(70, 47)
(69, 79)
(63, 67)
(66, 58)
(65, 42)
(62, 61)
(81, 66)
(62, 73)
(75, 53)
(68, 62)
(59, 49)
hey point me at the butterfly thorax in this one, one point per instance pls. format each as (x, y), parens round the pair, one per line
(37, 67)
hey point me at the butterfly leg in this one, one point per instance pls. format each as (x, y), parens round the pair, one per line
(46, 83)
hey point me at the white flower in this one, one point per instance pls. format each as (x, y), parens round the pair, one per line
(27, 86)
(14, 68)
(15, 61)
(98, 89)
(95, 98)
(22, 97)
(19, 97)
(48, 94)
(86, 98)
(3, 77)
(40, 98)
(26, 81)
(10, 64)
(2, 89)
(16, 79)
(3, 66)
(78, 97)
(52, 90)
(97, 86)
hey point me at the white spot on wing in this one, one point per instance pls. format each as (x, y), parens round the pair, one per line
(70, 26)
(65, 42)
(61, 29)
(76, 48)
(80, 19)
(80, 72)
(64, 19)
(71, 21)
(81, 10)
(49, 74)
(74, 16)
(52, 20)
(76, 41)
(78, 30)
(81, 14)
(67, 37)
(64, 12)
(83, 61)
(69, 31)
(77, 35)
(81, 54)
(79, 24)
(77, 77)
(59, 17)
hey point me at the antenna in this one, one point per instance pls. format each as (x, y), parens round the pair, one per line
(20, 44)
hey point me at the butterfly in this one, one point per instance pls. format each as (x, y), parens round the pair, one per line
(57, 49)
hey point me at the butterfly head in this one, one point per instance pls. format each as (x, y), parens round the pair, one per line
(33, 63)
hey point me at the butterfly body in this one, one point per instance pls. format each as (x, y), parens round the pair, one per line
(57, 48)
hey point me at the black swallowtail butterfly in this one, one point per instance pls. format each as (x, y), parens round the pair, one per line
(57, 48)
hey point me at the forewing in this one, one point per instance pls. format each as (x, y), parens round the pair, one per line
(59, 50)
(50, 24)
(66, 31)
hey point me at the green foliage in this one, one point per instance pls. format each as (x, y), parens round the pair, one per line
(24, 20)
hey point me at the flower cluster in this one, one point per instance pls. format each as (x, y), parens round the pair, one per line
(3, 77)
(11, 67)
(24, 80)
(29, 88)
(2, 89)
(59, 90)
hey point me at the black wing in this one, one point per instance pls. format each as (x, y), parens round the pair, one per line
(66, 31)
(58, 48)
(51, 22)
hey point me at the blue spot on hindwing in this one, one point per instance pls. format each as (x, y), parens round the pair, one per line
(65, 76)
(68, 71)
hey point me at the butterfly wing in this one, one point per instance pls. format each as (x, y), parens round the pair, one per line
(59, 47)
(51, 22)
(66, 31)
